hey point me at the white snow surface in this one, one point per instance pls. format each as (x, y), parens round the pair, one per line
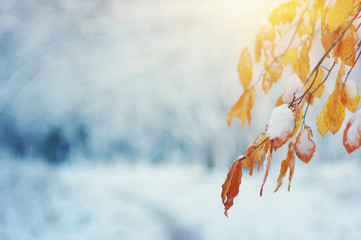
(354, 132)
(304, 145)
(281, 122)
(351, 89)
(294, 89)
(42, 202)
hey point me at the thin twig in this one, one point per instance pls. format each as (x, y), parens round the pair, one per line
(254, 149)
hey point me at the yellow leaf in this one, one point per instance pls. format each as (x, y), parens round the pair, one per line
(306, 25)
(320, 122)
(244, 68)
(284, 13)
(303, 59)
(272, 75)
(335, 113)
(316, 83)
(339, 13)
(243, 107)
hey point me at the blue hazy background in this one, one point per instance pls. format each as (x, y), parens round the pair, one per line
(113, 126)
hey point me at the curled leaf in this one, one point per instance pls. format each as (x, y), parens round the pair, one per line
(289, 163)
(230, 187)
(268, 164)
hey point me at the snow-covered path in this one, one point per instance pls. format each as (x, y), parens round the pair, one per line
(130, 203)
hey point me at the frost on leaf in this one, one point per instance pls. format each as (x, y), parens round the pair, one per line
(289, 163)
(352, 133)
(284, 13)
(281, 125)
(305, 146)
(242, 109)
(230, 187)
(245, 68)
(350, 96)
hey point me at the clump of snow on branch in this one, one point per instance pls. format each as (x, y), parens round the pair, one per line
(294, 89)
(281, 123)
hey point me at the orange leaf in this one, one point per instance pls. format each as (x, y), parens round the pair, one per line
(268, 164)
(287, 164)
(327, 36)
(352, 133)
(345, 49)
(255, 152)
(244, 68)
(230, 187)
(305, 146)
(242, 109)
(339, 13)
(284, 13)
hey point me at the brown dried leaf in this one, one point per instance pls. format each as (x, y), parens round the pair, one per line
(286, 164)
(230, 187)
(268, 164)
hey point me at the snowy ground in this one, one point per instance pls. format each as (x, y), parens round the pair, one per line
(38, 201)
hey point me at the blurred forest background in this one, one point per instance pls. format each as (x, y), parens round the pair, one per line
(89, 83)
